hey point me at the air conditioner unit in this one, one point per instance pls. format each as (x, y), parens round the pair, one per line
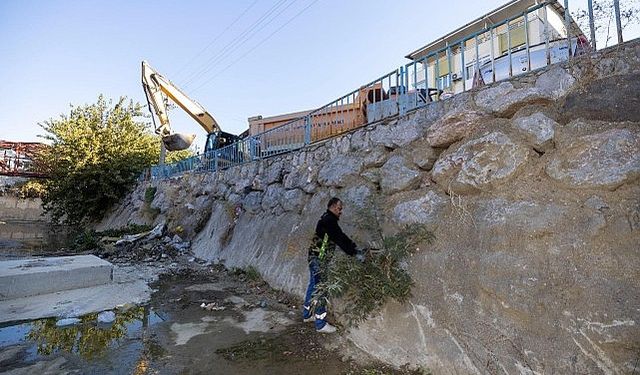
(456, 76)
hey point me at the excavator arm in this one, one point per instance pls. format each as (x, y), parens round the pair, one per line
(158, 91)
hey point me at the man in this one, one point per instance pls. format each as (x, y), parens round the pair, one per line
(328, 234)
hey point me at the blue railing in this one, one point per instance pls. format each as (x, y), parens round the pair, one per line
(542, 35)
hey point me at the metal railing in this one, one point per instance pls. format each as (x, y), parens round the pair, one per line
(542, 35)
(19, 159)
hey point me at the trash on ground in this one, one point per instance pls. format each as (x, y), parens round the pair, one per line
(212, 306)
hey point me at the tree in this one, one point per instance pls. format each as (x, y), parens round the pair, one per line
(96, 154)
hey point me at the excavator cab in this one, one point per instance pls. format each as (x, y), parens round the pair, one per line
(220, 139)
(225, 150)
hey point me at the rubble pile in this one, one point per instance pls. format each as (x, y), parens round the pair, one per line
(155, 245)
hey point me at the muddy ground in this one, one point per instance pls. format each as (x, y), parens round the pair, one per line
(201, 319)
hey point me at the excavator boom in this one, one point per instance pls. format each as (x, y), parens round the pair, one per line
(159, 90)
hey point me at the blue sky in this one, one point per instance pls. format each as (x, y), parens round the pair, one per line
(57, 53)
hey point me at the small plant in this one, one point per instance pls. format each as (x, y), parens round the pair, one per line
(248, 273)
(252, 274)
(147, 208)
(84, 240)
(149, 194)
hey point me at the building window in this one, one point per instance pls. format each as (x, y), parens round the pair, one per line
(518, 37)
(444, 81)
(443, 66)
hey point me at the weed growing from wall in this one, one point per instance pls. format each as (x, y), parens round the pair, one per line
(147, 208)
(149, 194)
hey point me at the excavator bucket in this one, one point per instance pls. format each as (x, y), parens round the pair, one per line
(177, 141)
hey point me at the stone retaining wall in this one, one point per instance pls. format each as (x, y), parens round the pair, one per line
(530, 187)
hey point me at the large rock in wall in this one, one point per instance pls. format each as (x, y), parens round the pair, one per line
(534, 202)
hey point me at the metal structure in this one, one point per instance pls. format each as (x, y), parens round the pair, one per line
(16, 159)
(158, 91)
(418, 83)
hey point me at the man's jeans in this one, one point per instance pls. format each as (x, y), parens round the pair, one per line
(320, 311)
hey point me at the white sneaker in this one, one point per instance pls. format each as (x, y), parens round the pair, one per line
(312, 318)
(328, 328)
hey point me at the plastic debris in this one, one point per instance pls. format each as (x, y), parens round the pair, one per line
(236, 300)
(157, 231)
(212, 306)
(130, 238)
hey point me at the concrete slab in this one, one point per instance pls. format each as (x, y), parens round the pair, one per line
(128, 287)
(30, 277)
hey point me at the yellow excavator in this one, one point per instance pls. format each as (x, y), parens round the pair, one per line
(158, 91)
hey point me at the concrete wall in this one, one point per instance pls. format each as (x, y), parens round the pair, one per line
(16, 209)
(530, 186)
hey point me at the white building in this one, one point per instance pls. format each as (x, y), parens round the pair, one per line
(518, 37)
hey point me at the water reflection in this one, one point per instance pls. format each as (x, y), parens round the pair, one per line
(89, 339)
(127, 345)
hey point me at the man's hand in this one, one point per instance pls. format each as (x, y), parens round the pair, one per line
(361, 255)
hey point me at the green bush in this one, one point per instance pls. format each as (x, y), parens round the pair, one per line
(250, 273)
(84, 240)
(147, 208)
(363, 288)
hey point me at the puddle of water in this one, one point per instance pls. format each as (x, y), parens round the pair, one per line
(13, 334)
(88, 344)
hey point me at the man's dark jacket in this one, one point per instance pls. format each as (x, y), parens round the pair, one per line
(328, 224)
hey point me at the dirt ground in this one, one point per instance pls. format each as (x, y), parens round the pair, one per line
(280, 344)
(201, 319)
